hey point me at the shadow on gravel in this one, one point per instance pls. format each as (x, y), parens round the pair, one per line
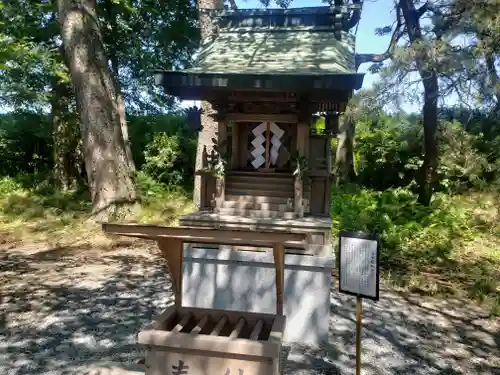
(62, 312)
(411, 335)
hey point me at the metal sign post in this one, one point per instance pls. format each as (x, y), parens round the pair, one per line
(359, 273)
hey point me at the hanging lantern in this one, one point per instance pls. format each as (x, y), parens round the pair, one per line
(193, 118)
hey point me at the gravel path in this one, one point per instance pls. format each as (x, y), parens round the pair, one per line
(64, 311)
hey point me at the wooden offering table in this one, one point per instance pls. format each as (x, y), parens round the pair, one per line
(195, 341)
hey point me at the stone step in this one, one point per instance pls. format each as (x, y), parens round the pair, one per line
(260, 214)
(252, 205)
(258, 185)
(259, 192)
(245, 198)
(260, 174)
(268, 179)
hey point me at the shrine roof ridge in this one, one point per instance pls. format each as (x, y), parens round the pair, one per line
(248, 12)
(283, 19)
(298, 49)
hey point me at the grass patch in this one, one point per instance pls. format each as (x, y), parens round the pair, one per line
(449, 248)
(43, 215)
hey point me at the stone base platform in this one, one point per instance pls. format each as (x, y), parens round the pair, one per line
(245, 281)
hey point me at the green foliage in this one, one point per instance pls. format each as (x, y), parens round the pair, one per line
(217, 159)
(462, 165)
(424, 248)
(30, 197)
(161, 145)
(8, 185)
(161, 156)
(25, 144)
(141, 36)
(142, 129)
(301, 165)
(388, 153)
(406, 227)
(161, 203)
(164, 148)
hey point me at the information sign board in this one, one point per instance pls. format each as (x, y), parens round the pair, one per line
(359, 264)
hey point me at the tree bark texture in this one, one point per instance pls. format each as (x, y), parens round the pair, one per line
(428, 170)
(66, 138)
(108, 171)
(208, 123)
(344, 158)
(120, 101)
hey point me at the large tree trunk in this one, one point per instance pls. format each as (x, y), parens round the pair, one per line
(344, 159)
(120, 101)
(209, 125)
(65, 135)
(428, 171)
(61, 135)
(108, 170)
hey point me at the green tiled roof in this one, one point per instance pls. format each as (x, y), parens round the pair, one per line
(297, 50)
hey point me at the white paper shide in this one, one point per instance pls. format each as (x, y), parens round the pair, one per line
(358, 266)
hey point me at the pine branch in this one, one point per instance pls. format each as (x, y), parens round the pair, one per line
(398, 32)
(424, 8)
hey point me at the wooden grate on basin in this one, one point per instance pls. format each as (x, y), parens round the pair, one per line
(232, 326)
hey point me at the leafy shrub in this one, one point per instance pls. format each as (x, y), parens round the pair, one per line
(387, 152)
(427, 249)
(164, 148)
(9, 185)
(461, 164)
(161, 157)
(25, 143)
(148, 187)
(26, 148)
(411, 233)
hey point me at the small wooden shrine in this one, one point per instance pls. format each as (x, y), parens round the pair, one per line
(268, 74)
(266, 186)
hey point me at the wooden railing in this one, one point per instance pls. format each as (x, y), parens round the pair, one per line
(171, 243)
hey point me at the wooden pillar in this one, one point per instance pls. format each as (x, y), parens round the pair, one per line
(204, 195)
(220, 182)
(279, 265)
(303, 139)
(328, 180)
(243, 145)
(268, 144)
(220, 191)
(302, 150)
(298, 195)
(173, 251)
(235, 151)
(222, 134)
